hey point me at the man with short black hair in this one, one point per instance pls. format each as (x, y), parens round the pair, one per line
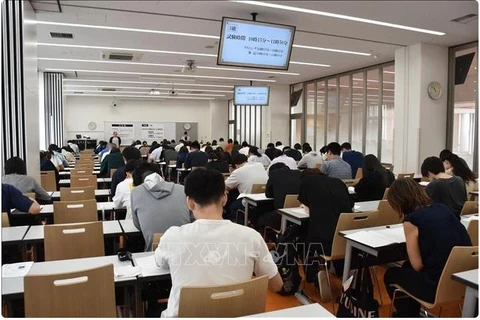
(279, 145)
(211, 251)
(352, 157)
(290, 162)
(195, 158)
(444, 188)
(129, 153)
(292, 153)
(311, 159)
(335, 167)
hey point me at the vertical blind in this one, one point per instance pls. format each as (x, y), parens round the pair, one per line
(53, 108)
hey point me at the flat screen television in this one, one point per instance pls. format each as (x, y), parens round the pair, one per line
(251, 95)
(254, 44)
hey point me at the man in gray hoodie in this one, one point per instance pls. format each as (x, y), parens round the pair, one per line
(156, 204)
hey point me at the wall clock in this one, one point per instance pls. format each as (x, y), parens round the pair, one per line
(92, 126)
(187, 126)
(435, 90)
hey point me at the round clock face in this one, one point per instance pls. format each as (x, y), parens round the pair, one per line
(187, 126)
(435, 90)
(92, 125)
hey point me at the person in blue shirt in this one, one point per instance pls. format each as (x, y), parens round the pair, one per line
(12, 198)
(46, 164)
(196, 158)
(354, 158)
(101, 146)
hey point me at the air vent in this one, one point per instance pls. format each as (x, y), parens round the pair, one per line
(77, 92)
(108, 89)
(466, 19)
(194, 92)
(61, 35)
(121, 56)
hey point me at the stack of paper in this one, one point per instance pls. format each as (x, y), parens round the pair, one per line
(13, 270)
(127, 271)
(379, 237)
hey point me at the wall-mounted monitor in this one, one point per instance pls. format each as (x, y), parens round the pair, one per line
(251, 95)
(254, 44)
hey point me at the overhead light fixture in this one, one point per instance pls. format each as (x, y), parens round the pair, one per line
(159, 74)
(332, 50)
(340, 16)
(389, 72)
(152, 92)
(167, 65)
(136, 96)
(145, 88)
(310, 64)
(151, 83)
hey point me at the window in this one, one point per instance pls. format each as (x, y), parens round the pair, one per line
(296, 113)
(332, 108)
(310, 118)
(344, 111)
(245, 123)
(321, 105)
(358, 107)
(373, 97)
(387, 113)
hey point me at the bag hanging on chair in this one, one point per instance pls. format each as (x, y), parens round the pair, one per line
(358, 301)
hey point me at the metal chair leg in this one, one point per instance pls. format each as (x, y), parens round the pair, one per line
(329, 286)
(393, 302)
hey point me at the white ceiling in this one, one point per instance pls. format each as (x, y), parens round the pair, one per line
(204, 17)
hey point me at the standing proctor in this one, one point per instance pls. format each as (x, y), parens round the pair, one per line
(115, 139)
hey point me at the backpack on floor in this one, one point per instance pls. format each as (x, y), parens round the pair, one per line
(285, 256)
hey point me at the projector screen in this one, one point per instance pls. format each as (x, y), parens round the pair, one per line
(251, 96)
(255, 44)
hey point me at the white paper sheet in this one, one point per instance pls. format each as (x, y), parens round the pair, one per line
(351, 190)
(148, 265)
(424, 183)
(16, 269)
(395, 234)
(369, 239)
(127, 271)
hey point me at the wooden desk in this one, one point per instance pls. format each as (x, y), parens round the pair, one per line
(67, 173)
(313, 310)
(12, 235)
(128, 227)
(66, 182)
(470, 279)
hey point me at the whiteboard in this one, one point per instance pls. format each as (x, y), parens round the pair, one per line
(130, 131)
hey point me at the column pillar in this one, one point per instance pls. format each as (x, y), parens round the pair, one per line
(53, 101)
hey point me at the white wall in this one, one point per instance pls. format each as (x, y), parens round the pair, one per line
(275, 118)
(211, 116)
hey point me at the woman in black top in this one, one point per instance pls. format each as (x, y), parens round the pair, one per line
(431, 231)
(375, 180)
(224, 156)
(215, 163)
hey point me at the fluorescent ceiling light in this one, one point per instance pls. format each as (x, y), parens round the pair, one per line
(341, 16)
(152, 83)
(372, 80)
(159, 93)
(144, 88)
(125, 49)
(390, 72)
(332, 50)
(160, 74)
(167, 65)
(310, 64)
(136, 96)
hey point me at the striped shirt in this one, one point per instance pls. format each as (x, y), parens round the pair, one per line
(337, 168)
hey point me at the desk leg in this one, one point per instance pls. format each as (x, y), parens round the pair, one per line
(245, 219)
(348, 261)
(284, 224)
(138, 299)
(178, 176)
(471, 296)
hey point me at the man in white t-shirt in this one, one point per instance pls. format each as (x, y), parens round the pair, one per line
(290, 162)
(245, 148)
(124, 189)
(211, 251)
(155, 155)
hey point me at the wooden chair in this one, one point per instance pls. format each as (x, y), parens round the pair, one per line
(156, 240)
(472, 230)
(144, 151)
(258, 188)
(112, 172)
(405, 175)
(359, 174)
(83, 181)
(30, 195)
(385, 194)
(73, 241)
(291, 201)
(350, 182)
(448, 290)
(5, 220)
(75, 211)
(469, 207)
(226, 175)
(48, 180)
(388, 166)
(81, 172)
(227, 301)
(318, 166)
(77, 194)
(87, 294)
(386, 214)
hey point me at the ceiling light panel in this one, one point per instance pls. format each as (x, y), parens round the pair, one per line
(150, 83)
(160, 93)
(136, 96)
(145, 88)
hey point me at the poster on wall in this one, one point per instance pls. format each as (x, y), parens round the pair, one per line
(125, 131)
(153, 131)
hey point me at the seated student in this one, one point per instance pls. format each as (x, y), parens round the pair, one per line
(283, 158)
(335, 167)
(68, 154)
(74, 146)
(112, 161)
(455, 166)
(245, 148)
(12, 198)
(311, 159)
(444, 154)
(229, 146)
(281, 181)
(100, 147)
(124, 189)
(168, 154)
(105, 152)
(255, 156)
(180, 144)
(138, 144)
(279, 145)
(444, 188)
(375, 180)
(272, 152)
(183, 250)
(216, 164)
(47, 165)
(156, 204)
(128, 153)
(431, 231)
(195, 158)
(223, 155)
(235, 149)
(154, 146)
(156, 153)
(292, 153)
(181, 156)
(16, 175)
(57, 158)
(352, 157)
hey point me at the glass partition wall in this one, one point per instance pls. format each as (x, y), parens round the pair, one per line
(355, 107)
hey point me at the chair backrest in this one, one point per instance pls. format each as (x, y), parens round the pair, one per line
(385, 194)
(460, 259)
(75, 211)
(30, 195)
(5, 220)
(156, 240)
(405, 175)
(350, 182)
(386, 214)
(83, 181)
(112, 172)
(388, 166)
(359, 174)
(258, 188)
(350, 221)
(318, 165)
(469, 207)
(172, 162)
(48, 180)
(472, 230)
(81, 172)
(73, 241)
(77, 194)
(291, 201)
(87, 294)
(235, 300)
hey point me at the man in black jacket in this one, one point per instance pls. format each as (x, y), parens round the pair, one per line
(129, 153)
